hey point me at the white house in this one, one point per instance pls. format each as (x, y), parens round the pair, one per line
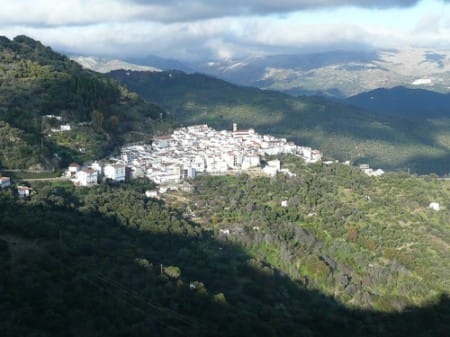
(275, 164)
(435, 206)
(5, 182)
(316, 156)
(250, 161)
(224, 231)
(189, 173)
(73, 169)
(24, 191)
(87, 177)
(98, 167)
(152, 194)
(65, 127)
(115, 172)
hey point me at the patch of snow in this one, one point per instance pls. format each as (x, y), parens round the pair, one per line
(422, 81)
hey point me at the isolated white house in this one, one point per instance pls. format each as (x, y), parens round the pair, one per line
(151, 194)
(115, 172)
(5, 182)
(65, 127)
(435, 206)
(24, 191)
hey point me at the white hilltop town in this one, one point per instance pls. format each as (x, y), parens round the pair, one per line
(193, 150)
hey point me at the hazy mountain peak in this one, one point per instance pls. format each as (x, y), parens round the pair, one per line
(103, 65)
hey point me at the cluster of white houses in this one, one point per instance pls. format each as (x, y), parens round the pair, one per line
(91, 175)
(189, 151)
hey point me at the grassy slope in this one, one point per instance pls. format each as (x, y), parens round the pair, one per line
(35, 81)
(341, 131)
(79, 261)
(374, 242)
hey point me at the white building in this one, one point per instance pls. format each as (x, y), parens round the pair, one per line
(73, 169)
(24, 191)
(5, 182)
(435, 206)
(86, 177)
(98, 167)
(250, 161)
(65, 127)
(152, 194)
(115, 172)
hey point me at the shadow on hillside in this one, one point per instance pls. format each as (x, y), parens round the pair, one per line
(403, 134)
(83, 273)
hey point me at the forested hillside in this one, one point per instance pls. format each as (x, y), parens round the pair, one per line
(41, 90)
(340, 131)
(404, 102)
(345, 255)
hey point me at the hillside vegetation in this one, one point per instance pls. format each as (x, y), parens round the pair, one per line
(342, 132)
(36, 82)
(349, 255)
(404, 102)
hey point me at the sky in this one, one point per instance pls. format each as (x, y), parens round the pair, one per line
(216, 29)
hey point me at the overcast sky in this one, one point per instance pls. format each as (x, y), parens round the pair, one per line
(211, 29)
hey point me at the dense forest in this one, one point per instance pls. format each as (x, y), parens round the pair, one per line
(327, 252)
(41, 90)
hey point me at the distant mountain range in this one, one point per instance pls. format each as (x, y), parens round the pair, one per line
(340, 73)
(337, 74)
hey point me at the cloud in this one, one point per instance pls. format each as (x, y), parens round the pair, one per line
(429, 23)
(174, 10)
(209, 29)
(82, 12)
(209, 39)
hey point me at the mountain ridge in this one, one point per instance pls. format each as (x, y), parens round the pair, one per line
(337, 73)
(42, 90)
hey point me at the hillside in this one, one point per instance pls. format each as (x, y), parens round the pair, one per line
(404, 102)
(341, 131)
(348, 255)
(41, 90)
